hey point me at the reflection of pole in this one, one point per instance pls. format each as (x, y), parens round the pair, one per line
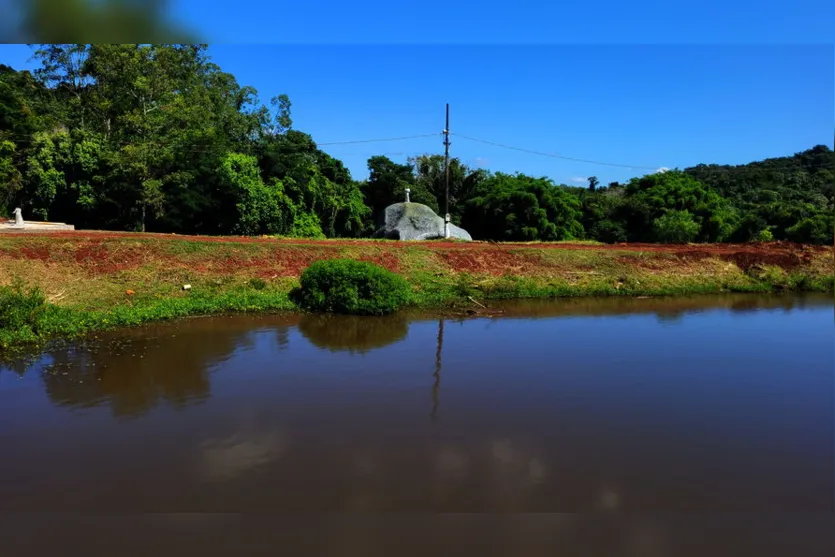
(436, 387)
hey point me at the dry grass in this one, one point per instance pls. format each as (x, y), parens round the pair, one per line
(99, 271)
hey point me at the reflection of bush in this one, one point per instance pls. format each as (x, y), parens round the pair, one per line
(353, 333)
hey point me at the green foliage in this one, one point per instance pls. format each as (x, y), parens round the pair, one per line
(155, 136)
(387, 183)
(522, 208)
(349, 286)
(794, 193)
(258, 283)
(27, 319)
(20, 308)
(765, 235)
(662, 192)
(306, 225)
(675, 227)
(817, 229)
(259, 209)
(10, 178)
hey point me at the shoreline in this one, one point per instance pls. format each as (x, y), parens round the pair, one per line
(93, 284)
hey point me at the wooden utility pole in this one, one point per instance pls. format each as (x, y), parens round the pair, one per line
(446, 172)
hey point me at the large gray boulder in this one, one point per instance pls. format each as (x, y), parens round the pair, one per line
(415, 221)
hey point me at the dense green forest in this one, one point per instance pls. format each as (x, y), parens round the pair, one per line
(158, 138)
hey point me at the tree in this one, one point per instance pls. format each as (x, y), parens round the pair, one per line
(675, 227)
(387, 183)
(463, 182)
(813, 230)
(593, 181)
(259, 209)
(522, 208)
(316, 183)
(10, 177)
(653, 195)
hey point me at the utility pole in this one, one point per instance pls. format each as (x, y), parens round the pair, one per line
(446, 172)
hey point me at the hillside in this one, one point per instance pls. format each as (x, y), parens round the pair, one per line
(794, 195)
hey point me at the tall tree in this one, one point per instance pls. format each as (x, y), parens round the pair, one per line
(523, 208)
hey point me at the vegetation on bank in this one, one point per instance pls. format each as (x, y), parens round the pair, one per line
(65, 286)
(156, 137)
(353, 287)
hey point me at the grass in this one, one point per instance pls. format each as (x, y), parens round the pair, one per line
(74, 286)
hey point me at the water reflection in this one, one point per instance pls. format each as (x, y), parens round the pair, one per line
(436, 384)
(136, 369)
(352, 535)
(246, 448)
(540, 414)
(354, 334)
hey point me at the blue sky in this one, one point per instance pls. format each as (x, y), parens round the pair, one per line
(643, 105)
(518, 22)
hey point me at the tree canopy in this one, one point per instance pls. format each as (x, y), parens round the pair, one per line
(157, 137)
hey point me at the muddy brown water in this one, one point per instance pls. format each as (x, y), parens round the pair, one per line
(639, 411)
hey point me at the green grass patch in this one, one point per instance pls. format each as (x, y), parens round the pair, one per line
(34, 321)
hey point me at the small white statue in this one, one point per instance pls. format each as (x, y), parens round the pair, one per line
(407, 194)
(18, 217)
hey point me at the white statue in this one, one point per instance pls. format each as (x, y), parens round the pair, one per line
(18, 217)
(407, 194)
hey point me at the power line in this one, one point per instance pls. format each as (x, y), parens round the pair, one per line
(379, 140)
(554, 155)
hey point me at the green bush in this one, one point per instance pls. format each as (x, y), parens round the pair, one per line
(258, 283)
(675, 227)
(349, 286)
(765, 235)
(20, 307)
(307, 225)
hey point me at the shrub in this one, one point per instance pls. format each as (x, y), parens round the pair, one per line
(349, 286)
(19, 307)
(258, 283)
(307, 225)
(765, 235)
(675, 227)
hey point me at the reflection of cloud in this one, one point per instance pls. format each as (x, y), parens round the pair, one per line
(648, 540)
(233, 456)
(579, 179)
(536, 470)
(503, 451)
(609, 500)
(452, 460)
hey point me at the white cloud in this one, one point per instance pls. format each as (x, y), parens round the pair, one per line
(579, 179)
(662, 169)
(481, 162)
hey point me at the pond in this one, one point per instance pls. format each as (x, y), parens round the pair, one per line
(719, 403)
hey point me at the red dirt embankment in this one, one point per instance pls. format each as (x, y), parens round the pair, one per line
(92, 249)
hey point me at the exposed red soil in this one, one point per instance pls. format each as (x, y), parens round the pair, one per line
(489, 260)
(290, 257)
